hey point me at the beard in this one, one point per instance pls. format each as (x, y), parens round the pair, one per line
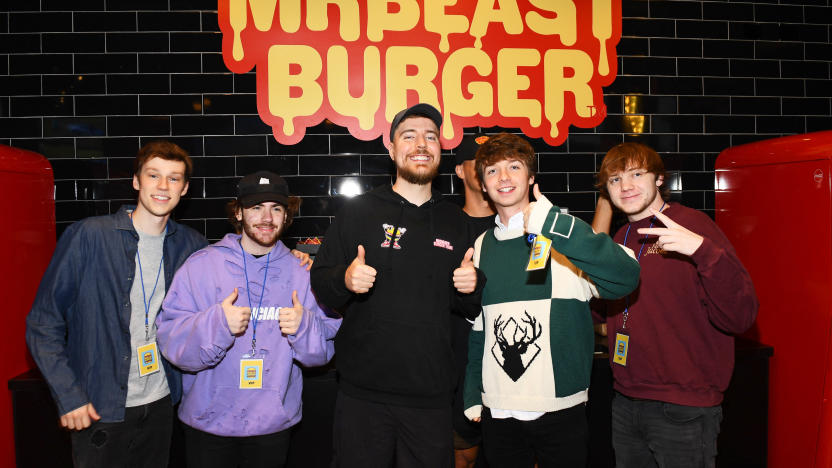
(264, 240)
(418, 177)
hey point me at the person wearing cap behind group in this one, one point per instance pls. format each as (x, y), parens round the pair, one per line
(238, 319)
(397, 261)
(479, 211)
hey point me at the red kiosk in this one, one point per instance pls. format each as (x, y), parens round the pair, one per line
(774, 202)
(27, 201)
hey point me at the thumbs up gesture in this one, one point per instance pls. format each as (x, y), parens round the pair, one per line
(527, 211)
(465, 277)
(359, 277)
(289, 317)
(236, 317)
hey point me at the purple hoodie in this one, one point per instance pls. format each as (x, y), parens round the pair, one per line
(193, 335)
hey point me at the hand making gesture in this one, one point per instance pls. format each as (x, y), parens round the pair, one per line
(359, 277)
(236, 317)
(465, 277)
(290, 317)
(674, 237)
(527, 211)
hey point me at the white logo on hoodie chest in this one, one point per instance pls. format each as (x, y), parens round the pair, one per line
(265, 313)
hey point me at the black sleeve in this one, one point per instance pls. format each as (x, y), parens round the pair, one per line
(470, 305)
(330, 266)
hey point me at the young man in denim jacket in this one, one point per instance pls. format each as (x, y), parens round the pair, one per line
(91, 329)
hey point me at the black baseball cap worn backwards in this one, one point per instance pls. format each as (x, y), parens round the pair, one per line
(418, 109)
(467, 149)
(262, 186)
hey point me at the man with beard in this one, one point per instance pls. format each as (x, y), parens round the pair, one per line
(92, 319)
(397, 261)
(671, 340)
(239, 318)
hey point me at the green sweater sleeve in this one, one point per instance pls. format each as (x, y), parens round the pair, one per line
(611, 267)
(472, 389)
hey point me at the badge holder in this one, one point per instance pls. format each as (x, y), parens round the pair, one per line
(622, 347)
(251, 369)
(540, 251)
(148, 359)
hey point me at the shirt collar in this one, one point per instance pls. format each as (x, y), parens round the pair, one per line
(123, 221)
(515, 222)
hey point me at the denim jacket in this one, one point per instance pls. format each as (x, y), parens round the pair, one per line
(78, 330)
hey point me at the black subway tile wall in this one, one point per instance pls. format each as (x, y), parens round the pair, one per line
(87, 82)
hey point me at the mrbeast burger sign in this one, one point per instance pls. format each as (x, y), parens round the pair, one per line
(536, 65)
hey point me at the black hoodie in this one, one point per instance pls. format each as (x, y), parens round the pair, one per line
(394, 344)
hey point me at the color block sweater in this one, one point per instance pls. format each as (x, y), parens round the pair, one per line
(531, 347)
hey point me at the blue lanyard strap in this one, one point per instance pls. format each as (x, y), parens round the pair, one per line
(248, 292)
(155, 283)
(638, 259)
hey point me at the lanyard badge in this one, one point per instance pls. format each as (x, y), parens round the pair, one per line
(148, 354)
(622, 337)
(251, 367)
(148, 359)
(622, 345)
(540, 251)
(251, 373)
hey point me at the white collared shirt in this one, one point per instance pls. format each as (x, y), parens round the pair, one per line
(515, 222)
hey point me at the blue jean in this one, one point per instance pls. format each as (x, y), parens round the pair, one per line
(649, 433)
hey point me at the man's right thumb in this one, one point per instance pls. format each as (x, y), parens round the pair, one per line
(231, 297)
(360, 255)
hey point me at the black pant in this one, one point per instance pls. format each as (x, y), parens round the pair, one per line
(556, 439)
(205, 450)
(141, 440)
(650, 433)
(369, 435)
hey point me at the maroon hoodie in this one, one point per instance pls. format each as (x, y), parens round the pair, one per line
(682, 316)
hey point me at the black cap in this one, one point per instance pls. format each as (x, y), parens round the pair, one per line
(419, 109)
(262, 186)
(468, 147)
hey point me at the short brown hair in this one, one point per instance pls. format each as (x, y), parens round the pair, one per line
(505, 146)
(624, 156)
(234, 205)
(165, 150)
